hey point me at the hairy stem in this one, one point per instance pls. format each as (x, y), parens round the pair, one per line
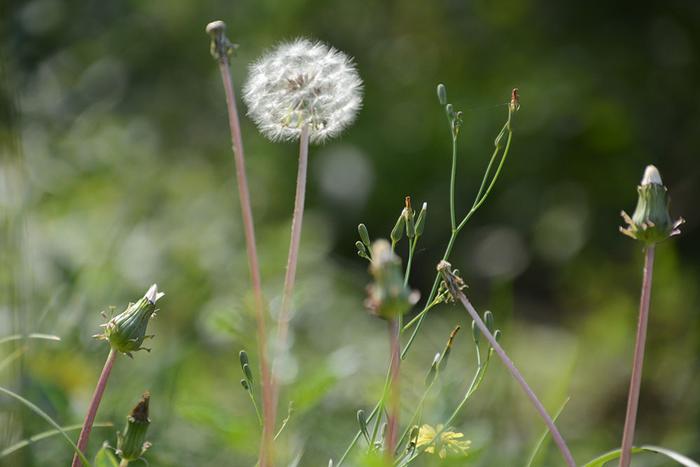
(638, 362)
(253, 264)
(558, 439)
(92, 408)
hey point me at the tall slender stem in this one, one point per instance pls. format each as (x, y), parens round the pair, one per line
(292, 258)
(253, 264)
(558, 439)
(394, 389)
(92, 408)
(638, 362)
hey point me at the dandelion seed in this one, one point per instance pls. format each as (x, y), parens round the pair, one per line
(303, 83)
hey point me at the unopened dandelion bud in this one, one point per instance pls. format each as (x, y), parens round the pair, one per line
(364, 235)
(488, 319)
(442, 94)
(397, 231)
(132, 444)
(651, 221)
(420, 222)
(362, 421)
(127, 331)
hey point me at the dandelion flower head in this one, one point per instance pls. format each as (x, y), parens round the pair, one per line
(303, 83)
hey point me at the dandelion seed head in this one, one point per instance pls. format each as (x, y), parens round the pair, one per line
(299, 83)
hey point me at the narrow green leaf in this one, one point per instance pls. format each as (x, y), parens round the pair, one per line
(612, 455)
(34, 408)
(34, 335)
(47, 434)
(545, 434)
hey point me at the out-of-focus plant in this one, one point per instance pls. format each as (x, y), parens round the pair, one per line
(413, 227)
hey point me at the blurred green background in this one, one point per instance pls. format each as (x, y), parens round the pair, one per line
(116, 172)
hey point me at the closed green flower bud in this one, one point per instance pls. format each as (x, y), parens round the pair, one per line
(397, 231)
(442, 94)
(651, 221)
(126, 331)
(132, 444)
(420, 222)
(364, 235)
(387, 295)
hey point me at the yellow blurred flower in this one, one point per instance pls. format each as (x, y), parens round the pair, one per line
(449, 441)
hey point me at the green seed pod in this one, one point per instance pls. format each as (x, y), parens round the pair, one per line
(132, 444)
(364, 235)
(442, 94)
(420, 223)
(488, 319)
(651, 221)
(245, 385)
(248, 374)
(360, 247)
(126, 331)
(475, 333)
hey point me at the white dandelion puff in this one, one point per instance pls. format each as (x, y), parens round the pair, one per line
(303, 83)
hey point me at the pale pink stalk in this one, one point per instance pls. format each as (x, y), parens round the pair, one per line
(394, 390)
(253, 264)
(638, 362)
(293, 256)
(94, 404)
(556, 436)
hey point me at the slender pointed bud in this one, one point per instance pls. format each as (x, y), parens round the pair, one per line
(245, 385)
(488, 319)
(413, 438)
(410, 218)
(475, 333)
(362, 420)
(360, 247)
(450, 111)
(248, 374)
(432, 372)
(364, 235)
(497, 335)
(420, 223)
(132, 444)
(448, 347)
(397, 231)
(126, 331)
(651, 221)
(514, 100)
(442, 94)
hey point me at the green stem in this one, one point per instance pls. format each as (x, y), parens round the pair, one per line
(453, 176)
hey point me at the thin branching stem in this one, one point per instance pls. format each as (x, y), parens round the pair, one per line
(638, 362)
(253, 263)
(94, 405)
(558, 439)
